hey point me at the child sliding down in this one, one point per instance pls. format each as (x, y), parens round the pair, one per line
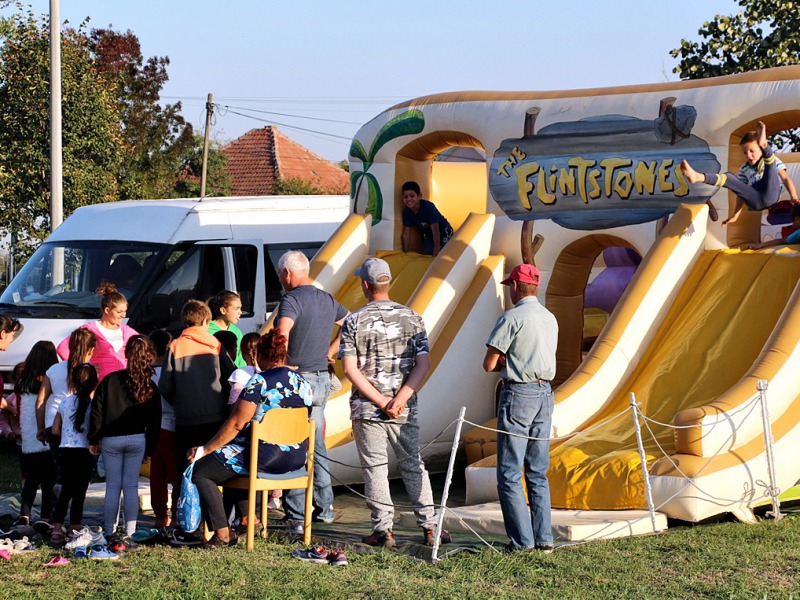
(758, 184)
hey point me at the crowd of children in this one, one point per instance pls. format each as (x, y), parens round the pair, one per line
(128, 400)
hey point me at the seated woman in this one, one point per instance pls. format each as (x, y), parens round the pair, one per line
(226, 455)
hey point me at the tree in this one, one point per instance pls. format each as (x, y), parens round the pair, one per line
(297, 186)
(218, 181)
(91, 143)
(156, 138)
(766, 33)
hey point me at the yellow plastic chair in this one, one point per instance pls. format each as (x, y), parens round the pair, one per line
(284, 426)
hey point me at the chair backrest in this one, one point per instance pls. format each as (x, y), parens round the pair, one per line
(285, 426)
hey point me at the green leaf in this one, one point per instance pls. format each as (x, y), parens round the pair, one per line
(375, 202)
(408, 123)
(355, 176)
(357, 151)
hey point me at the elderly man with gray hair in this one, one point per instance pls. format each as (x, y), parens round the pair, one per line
(306, 315)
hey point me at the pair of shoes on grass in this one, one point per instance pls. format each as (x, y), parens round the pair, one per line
(85, 537)
(510, 548)
(120, 543)
(320, 556)
(100, 552)
(386, 539)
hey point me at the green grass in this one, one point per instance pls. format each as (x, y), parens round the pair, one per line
(723, 560)
(728, 560)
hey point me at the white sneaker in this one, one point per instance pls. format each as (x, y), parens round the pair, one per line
(274, 503)
(84, 538)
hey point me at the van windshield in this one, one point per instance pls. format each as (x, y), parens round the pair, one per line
(65, 275)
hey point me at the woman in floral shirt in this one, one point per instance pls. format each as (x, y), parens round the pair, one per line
(227, 454)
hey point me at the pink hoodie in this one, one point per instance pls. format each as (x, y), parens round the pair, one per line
(104, 358)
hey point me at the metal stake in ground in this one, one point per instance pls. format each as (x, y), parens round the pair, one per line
(769, 444)
(648, 492)
(456, 440)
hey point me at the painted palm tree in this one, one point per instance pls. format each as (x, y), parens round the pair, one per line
(407, 123)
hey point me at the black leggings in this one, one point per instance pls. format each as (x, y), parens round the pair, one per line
(76, 473)
(39, 471)
(208, 473)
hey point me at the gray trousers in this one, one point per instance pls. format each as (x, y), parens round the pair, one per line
(371, 439)
(123, 458)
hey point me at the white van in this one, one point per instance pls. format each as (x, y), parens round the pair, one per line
(160, 253)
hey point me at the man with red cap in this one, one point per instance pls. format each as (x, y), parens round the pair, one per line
(522, 346)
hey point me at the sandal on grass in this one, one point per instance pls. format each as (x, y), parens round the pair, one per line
(57, 537)
(56, 561)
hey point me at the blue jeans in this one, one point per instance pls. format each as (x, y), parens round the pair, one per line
(294, 500)
(525, 409)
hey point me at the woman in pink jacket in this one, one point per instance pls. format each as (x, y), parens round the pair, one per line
(112, 334)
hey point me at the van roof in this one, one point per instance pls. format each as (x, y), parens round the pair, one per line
(171, 221)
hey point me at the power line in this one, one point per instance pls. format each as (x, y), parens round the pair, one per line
(267, 112)
(311, 131)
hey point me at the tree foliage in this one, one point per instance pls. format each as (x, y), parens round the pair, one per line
(91, 142)
(218, 181)
(156, 138)
(764, 34)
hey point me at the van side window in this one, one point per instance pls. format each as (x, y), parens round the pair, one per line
(272, 254)
(245, 263)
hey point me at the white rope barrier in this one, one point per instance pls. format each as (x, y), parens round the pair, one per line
(771, 489)
(769, 445)
(447, 480)
(648, 492)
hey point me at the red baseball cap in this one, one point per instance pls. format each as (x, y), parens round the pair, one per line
(524, 274)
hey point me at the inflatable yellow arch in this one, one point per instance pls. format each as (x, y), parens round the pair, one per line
(591, 170)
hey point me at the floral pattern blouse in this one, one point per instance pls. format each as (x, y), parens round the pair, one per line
(280, 387)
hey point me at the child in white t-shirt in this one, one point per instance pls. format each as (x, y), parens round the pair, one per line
(71, 424)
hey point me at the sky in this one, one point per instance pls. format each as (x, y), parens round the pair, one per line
(320, 69)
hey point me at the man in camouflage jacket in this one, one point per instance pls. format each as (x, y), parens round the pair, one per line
(384, 351)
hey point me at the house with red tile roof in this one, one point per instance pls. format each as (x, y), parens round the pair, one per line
(261, 158)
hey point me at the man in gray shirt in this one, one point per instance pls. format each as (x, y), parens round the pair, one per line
(522, 347)
(306, 316)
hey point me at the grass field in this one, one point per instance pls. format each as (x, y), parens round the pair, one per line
(723, 560)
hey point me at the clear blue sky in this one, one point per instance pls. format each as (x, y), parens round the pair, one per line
(349, 60)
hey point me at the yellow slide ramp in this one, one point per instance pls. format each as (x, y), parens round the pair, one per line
(712, 335)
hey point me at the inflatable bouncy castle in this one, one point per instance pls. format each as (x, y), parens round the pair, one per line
(652, 295)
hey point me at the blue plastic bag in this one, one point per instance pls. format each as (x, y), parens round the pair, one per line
(189, 514)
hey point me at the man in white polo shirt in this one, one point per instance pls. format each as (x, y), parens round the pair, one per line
(522, 347)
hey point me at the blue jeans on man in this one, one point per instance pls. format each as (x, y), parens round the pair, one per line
(294, 500)
(525, 409)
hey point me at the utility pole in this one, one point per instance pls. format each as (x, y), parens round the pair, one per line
(56, 167)
(209, 112)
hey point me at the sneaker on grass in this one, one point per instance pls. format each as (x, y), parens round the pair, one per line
(337, 558)
(100, 552)
(86, 537)
(181, 538)
(317, 555)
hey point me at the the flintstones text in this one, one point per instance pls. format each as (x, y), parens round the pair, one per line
(589, 179)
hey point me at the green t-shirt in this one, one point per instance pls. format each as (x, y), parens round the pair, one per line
(214, 328)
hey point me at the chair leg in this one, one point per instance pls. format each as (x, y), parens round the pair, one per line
(308, 514)
(251, 517)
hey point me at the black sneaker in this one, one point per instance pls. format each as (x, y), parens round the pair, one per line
(181, 538)
(42, 527)
(380, 538)
(545, 549)
(430, 536)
